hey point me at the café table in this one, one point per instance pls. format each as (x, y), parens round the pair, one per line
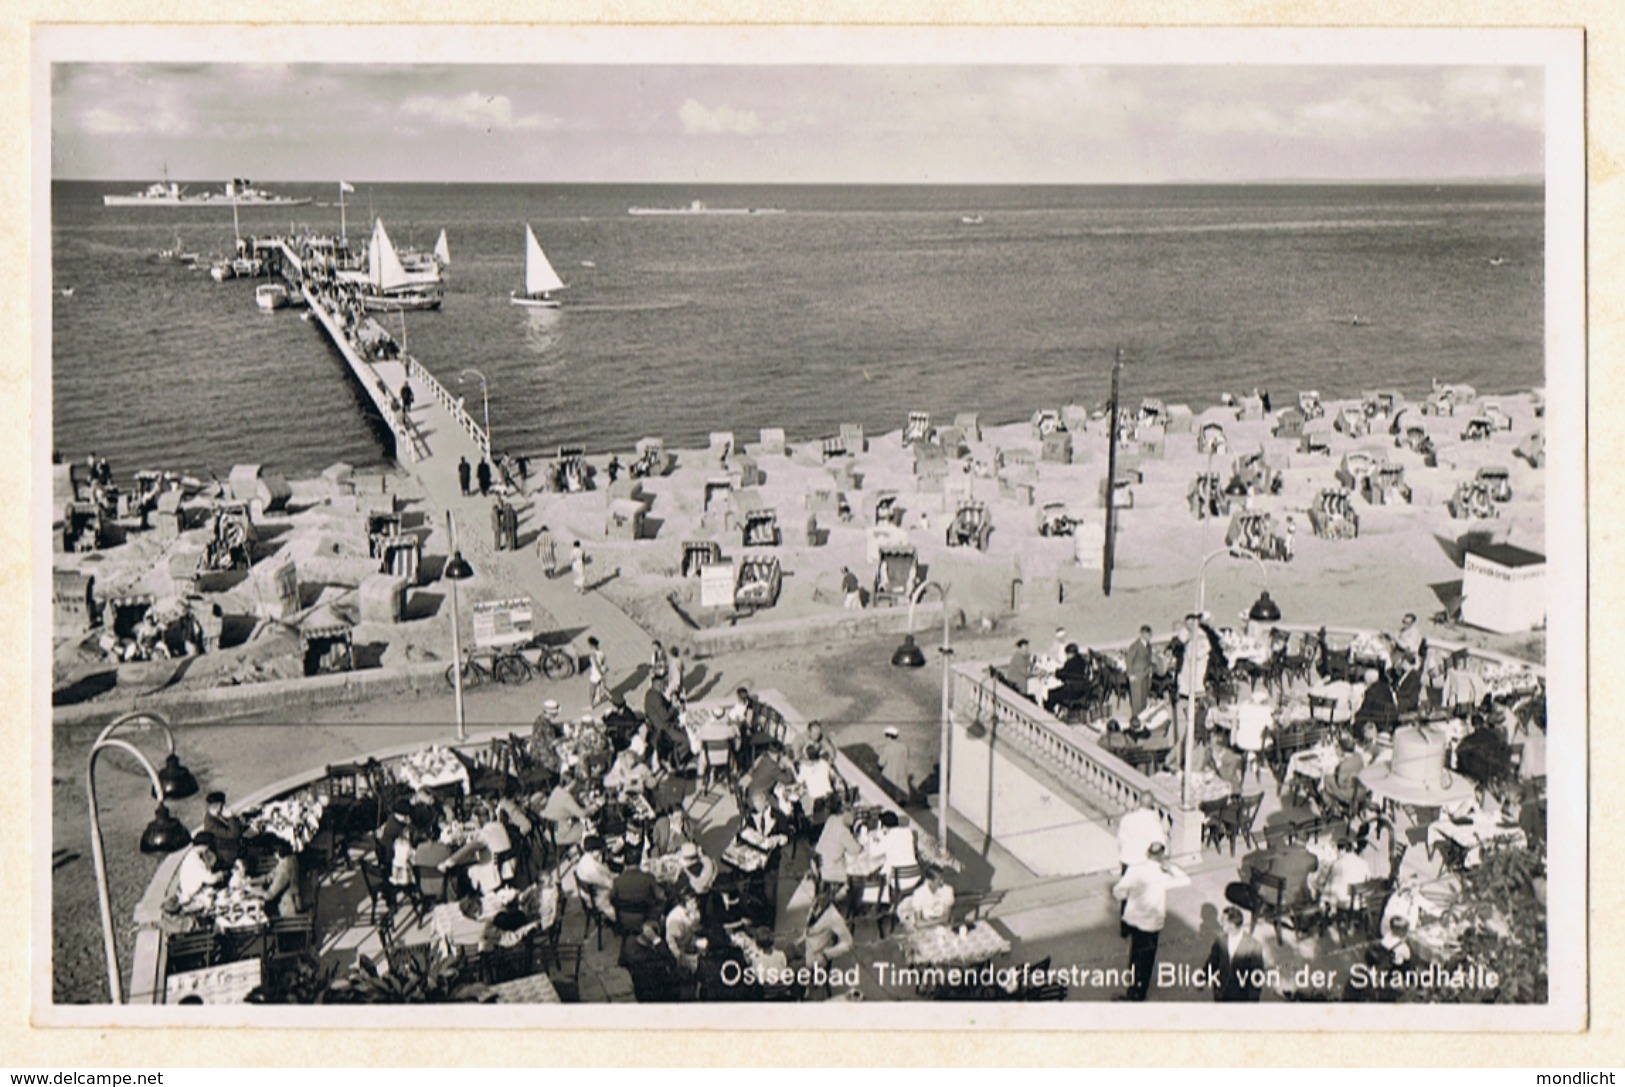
(1205, 785)
(942, 945)
(223, 983)
(1477, 831)
(536, 989)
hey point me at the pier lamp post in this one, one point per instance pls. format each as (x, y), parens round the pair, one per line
(485, 403)
(457, 569)
(908, 655)
(1188, 749)
(164, 834)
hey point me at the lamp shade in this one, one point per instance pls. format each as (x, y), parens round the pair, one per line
(457, 568)
(177, 780)
(164, 834)
(1264, 610)
(908, 654)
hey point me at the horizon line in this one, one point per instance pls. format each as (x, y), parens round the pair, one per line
(1510, 179)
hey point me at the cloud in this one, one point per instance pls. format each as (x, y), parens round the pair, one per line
(1215, 118)
(102, 121)
(703, 120)
(486, 112)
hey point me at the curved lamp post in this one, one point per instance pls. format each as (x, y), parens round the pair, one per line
(485, 403)
(908, 655)
(457, 569)
(164, 834)
(1189, 751)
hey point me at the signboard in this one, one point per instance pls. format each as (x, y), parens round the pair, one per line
(717, 585)
(504, 622)
(1504, 590)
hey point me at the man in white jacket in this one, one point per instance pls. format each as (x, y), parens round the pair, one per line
(1144, 891)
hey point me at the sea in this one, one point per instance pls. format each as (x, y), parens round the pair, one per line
(857, 304)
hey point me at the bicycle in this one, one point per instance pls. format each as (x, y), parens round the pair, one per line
(515, 665)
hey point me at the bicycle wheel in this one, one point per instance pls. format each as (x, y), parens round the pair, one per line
(557, 664)
(512, 669)
(472, 674)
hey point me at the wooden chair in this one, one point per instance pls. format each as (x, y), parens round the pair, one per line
(379, 889)
(191, 951)
(1213, 820)
(595, 918)
(430, 887)
(563, 965)
(1269, 898)
(1362, 918)
(976, 906)
(501, 964)
(717, 759)
(1237, 818)
(865, 900)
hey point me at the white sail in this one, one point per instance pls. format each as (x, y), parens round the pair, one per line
(442, 250)
(539, 274)
(383, 263)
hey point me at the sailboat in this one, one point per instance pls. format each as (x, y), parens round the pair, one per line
(540, 278)
(389, 286)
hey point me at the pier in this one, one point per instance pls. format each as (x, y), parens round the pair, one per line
(437, 431)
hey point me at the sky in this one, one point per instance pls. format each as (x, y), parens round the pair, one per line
(876, 123)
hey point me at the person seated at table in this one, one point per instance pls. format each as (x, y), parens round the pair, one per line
(683, 933)
(199, 872)
(567, 814)
(548, 727)
(1073, 675)
(699, 872)
(1407, 686)
(770, 958)
(512, 810)
(482, 854)
(770, 770)
(670, 832)
(896, 845)
(714, 726)
(468, 927)
(634, 893)
(1334, 884)
(594, 878)
(1254, 719)
(932, 903)
(816, 737)
(1291, 861)
(281, 892)
(649, 962)
(816, 776)
(764, 821)
(1409, 903)
(628, 774)
(1342, 784)
(1377, 704)
(227, 829)
(398, 823)
(828, 936)
(837, 847)
(742, 710)
(1021, 667)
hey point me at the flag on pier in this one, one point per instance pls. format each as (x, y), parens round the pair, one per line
(345, 186)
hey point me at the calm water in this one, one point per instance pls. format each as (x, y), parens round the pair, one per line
(857, 304)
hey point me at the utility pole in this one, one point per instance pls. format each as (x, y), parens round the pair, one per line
(1111, 480)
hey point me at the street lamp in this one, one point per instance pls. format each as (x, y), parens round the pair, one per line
(1189, 747)
(485, 403)
(164, 834)
(457, 569)
(908, 655)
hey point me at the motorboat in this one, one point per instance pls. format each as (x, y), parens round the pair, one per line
(271, 296)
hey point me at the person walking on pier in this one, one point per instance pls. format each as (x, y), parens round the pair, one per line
(483, 474)
(597, 669)
(407, 397)
(578, 567)
(463, 473)
(548, 551)
(674, 675)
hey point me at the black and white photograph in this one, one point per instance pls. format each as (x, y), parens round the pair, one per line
(638, 526)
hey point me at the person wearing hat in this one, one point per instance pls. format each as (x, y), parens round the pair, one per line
(227, 829)
(198, 872)
(545, 731)
(699, 872)
(1143, 890)
(894, 766)
(1021, 666)
(1057, 649)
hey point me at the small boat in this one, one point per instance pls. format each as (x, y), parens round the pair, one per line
(540, 278)
(222, 270)
(271, 296)
(698, 207)
(972, 220)
(1496, 262)
(390, 286)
